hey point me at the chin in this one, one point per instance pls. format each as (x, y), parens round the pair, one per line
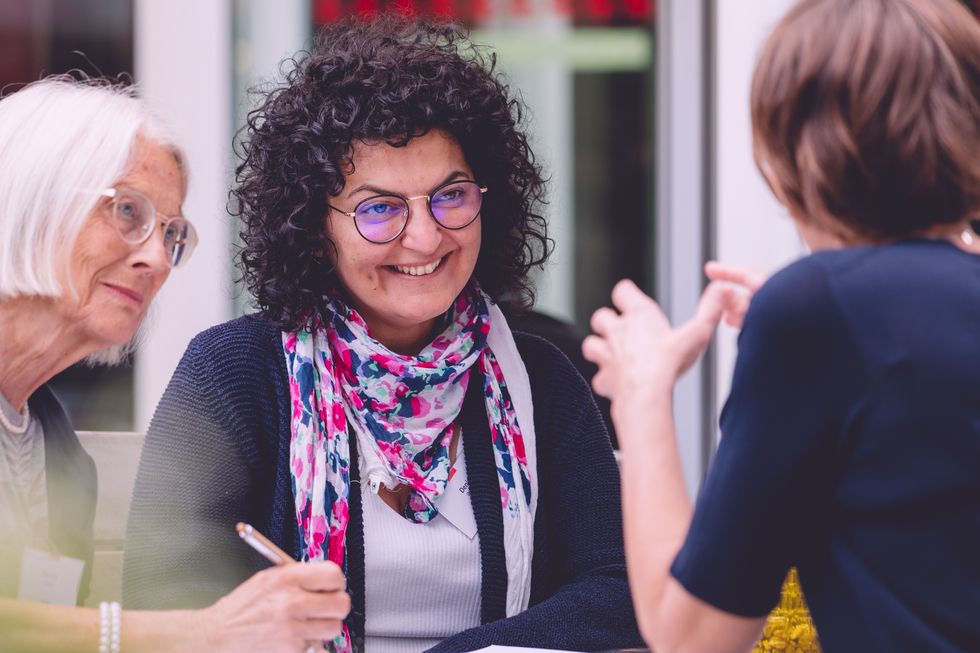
(125, 339)
(109, 356)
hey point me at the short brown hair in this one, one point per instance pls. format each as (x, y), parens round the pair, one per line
(868, 112)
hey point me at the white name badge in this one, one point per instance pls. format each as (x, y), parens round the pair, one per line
(50, 578)
(454, 504)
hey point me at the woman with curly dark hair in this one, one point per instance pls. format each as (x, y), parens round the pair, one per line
(379, 412)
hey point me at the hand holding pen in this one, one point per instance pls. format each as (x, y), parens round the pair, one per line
(273, 554)
(281, 609)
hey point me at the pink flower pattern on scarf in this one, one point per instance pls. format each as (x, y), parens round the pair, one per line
(407, 405)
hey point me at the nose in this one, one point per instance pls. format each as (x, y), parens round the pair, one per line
(150, 254)
(422, 233)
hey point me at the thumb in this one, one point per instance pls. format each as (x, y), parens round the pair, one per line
(715, 300)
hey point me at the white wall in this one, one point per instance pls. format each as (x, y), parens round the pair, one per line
(752, 228)
(276, 30)
(183, 65)
(548, 92)
(545, 86)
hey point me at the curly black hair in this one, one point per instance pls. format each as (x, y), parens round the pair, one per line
(385, 80)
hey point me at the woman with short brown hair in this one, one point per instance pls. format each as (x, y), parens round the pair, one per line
(851, 438)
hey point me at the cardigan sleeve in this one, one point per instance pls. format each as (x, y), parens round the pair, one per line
(203, 469)
(580, 597)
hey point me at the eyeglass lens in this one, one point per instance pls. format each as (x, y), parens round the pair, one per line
(136, 217)
(455, 205)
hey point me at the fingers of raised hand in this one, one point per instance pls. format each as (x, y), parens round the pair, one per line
(745, 276)
(603, 321)
(717, 298)
(603, 384)
(627, 297)
(597, 350)
(735, 315)
(694, 335)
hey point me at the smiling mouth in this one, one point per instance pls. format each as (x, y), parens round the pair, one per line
(419, 271)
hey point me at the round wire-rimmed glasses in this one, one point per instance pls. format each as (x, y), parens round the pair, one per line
(382, 218)
(135, 217)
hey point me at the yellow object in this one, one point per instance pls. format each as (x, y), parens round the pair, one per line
(789, 628)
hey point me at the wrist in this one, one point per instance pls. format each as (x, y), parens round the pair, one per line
(638, 398)
(171, 631)
(110, 627)
(206, 633)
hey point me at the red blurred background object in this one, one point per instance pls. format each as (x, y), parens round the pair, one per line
(584, 13)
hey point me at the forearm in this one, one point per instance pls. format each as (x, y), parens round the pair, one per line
(640, 357)
(656, 508)
(29, 627)
(657, 515)
(173, 631)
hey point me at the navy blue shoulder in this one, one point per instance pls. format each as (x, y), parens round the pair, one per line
(245, 336)
(798, 298)
(243, 357)
(542, 358)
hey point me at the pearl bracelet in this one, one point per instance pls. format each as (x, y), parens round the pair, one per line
(110, 627)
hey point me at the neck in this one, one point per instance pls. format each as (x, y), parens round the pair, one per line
(960, 234)
(407, 342)
(36, 342)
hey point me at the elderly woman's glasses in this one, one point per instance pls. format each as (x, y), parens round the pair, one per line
(382, 218)
(136, 217)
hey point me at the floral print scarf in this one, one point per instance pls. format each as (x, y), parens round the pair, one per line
(402, 410)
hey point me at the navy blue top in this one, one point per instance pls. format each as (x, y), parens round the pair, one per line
(217, 453)
(851, 449)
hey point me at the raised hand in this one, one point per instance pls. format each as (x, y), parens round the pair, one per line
(638, 351)
(749, 278)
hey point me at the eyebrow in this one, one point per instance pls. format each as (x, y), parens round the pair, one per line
(378, 190)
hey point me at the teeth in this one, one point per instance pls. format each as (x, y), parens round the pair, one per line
(419, 271)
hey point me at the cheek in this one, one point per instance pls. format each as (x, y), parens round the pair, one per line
(93, 251)
(356, 266)
(157, 284)
(473, 249)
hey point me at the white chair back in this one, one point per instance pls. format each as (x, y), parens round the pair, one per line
(116, 455)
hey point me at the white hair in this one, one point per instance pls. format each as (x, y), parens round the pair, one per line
(63, 142)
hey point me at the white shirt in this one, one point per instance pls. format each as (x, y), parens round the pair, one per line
(421, 581)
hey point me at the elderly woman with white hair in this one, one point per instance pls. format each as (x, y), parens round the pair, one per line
(91, 187)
